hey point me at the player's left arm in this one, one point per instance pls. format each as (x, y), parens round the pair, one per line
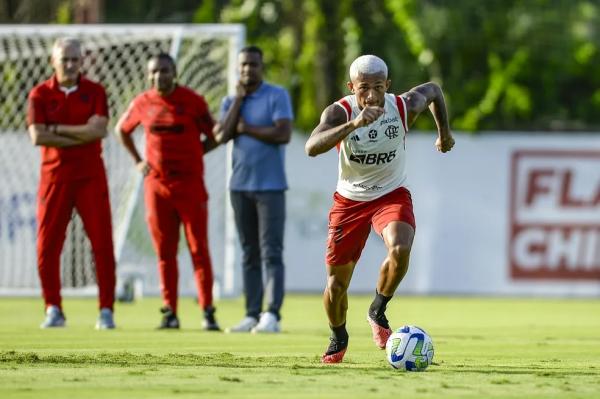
(430, 95)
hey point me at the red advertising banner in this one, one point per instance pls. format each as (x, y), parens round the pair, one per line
(555, 215)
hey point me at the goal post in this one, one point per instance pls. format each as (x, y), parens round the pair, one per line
(115, 56)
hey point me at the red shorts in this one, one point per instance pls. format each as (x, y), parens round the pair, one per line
(350, 222)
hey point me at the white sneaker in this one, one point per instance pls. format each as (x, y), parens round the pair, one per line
(246, 325)
(105, 320)
(268, 323)
(54, 318)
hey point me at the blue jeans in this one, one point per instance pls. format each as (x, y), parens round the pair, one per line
(260, 220)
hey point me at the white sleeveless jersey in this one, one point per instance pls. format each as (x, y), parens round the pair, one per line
(372, 158)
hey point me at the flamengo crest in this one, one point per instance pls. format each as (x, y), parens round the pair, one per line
(392, 131)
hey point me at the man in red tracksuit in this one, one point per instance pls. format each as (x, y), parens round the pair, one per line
(174, 119)
(67, 117)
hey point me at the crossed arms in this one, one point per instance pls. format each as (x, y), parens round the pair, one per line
(68, 135)
(233, 125)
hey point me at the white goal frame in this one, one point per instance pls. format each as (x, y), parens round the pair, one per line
(226, 283)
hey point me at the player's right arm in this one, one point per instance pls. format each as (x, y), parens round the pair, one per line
(123, 129)
(334, 127)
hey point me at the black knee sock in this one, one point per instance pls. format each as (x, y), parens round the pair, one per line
(377, 308)
(340, 334)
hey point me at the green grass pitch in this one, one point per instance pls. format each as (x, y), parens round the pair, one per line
(484, 348)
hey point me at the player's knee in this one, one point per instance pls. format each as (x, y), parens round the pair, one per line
(104, 257)
(273, 262)
(251, 256)
(336, 287)
(48, 251)
(201, 261)
(167, 254)
(199, 252)
(399, 252)
(103, 248)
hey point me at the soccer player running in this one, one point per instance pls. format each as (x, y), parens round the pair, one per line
(369, 128)
(178, 130)
(67, 117)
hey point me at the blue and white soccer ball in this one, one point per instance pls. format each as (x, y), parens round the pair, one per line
(409, 348)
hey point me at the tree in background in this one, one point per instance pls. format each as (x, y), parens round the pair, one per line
(32, 11)
(516, 64)
(504, 64)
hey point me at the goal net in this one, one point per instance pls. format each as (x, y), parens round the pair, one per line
(116, 56)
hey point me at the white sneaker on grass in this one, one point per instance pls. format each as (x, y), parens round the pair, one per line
(268, 323)
(54, 317)
(244, 326)
(105, 320)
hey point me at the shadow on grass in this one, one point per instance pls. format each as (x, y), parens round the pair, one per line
(126, 359)
(296, 364)
(538, 370)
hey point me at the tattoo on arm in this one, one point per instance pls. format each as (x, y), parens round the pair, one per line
(428, 95)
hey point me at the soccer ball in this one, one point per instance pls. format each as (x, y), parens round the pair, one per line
(409, 348)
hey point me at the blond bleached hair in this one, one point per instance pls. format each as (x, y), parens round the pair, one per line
(367, 65)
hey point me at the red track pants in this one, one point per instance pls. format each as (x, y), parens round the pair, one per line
(168, 205)
(55, 206)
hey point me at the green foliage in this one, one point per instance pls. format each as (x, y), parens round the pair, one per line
(205, 13)
(308, 64)
(63, 13)
(503, 64)
(500, 81)
(150, 11)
